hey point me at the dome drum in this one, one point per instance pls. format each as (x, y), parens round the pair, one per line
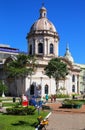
(43, 37)
(43, 32)
(46, 33)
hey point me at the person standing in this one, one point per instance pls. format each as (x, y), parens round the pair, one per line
(51, 98)
(46, 97)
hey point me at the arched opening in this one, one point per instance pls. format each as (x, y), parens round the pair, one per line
(30, 49)
(73, 78)
(44, 14)
(51, 48)
(32, 87)
(73, 88)
(46, 89)
(40, 48)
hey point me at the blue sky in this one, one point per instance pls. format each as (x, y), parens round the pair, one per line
(68, 16)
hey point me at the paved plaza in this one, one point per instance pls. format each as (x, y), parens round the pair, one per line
(66, 122)
(66, 119)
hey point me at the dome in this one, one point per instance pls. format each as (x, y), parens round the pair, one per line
(43, 23)
(68, 55)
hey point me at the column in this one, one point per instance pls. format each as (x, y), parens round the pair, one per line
(45, 47)
(36, 47)
(56, 47)
(33, 46)
(78, 84)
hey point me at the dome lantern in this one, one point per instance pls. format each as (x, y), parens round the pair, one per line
(43, 12)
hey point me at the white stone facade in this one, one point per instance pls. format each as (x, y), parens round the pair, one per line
(43, 36)
(46, 41)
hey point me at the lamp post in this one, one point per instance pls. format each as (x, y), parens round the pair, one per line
(41, 85)
(3, 95)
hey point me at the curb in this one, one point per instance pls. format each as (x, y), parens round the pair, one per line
(45, 118)
(48, 115)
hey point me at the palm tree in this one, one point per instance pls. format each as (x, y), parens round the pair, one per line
(56, 69)
(19, 68)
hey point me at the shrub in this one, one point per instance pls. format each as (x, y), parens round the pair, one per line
(62, 96)
(67, 101)
(71, 104)
(30, 110)
(75, 94)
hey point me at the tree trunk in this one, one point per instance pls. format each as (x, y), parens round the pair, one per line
(57, 86)
(17, 93)
(22, 85)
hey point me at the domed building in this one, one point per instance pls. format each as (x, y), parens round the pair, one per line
(43, 41)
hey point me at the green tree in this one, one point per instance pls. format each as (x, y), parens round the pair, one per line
(19, 68)
(56, 69)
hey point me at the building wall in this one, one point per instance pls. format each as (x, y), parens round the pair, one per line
(82, 78)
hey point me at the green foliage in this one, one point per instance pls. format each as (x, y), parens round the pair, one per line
(75, 94)
(67, 101)
(72, 104)
(10, 104)
(56, 68)
(81, 101)
(62, 96)
(21, 66)
(21, 110)
(3, 87)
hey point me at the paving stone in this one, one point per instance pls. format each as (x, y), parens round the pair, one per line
(66, 119)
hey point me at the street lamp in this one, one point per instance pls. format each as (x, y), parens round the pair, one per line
(41, 85)
(3, 95)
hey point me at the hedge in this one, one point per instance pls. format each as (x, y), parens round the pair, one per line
(30, 110)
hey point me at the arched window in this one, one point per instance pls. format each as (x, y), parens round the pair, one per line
(30, 49)
(40, 48)
(51, 48)
(46, 89)
(32, 89)
(73, 88)
(73, 78)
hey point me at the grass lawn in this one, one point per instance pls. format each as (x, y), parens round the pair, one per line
(9, 104)
(11, 122)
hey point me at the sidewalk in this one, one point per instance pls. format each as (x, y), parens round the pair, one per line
(66, 119)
